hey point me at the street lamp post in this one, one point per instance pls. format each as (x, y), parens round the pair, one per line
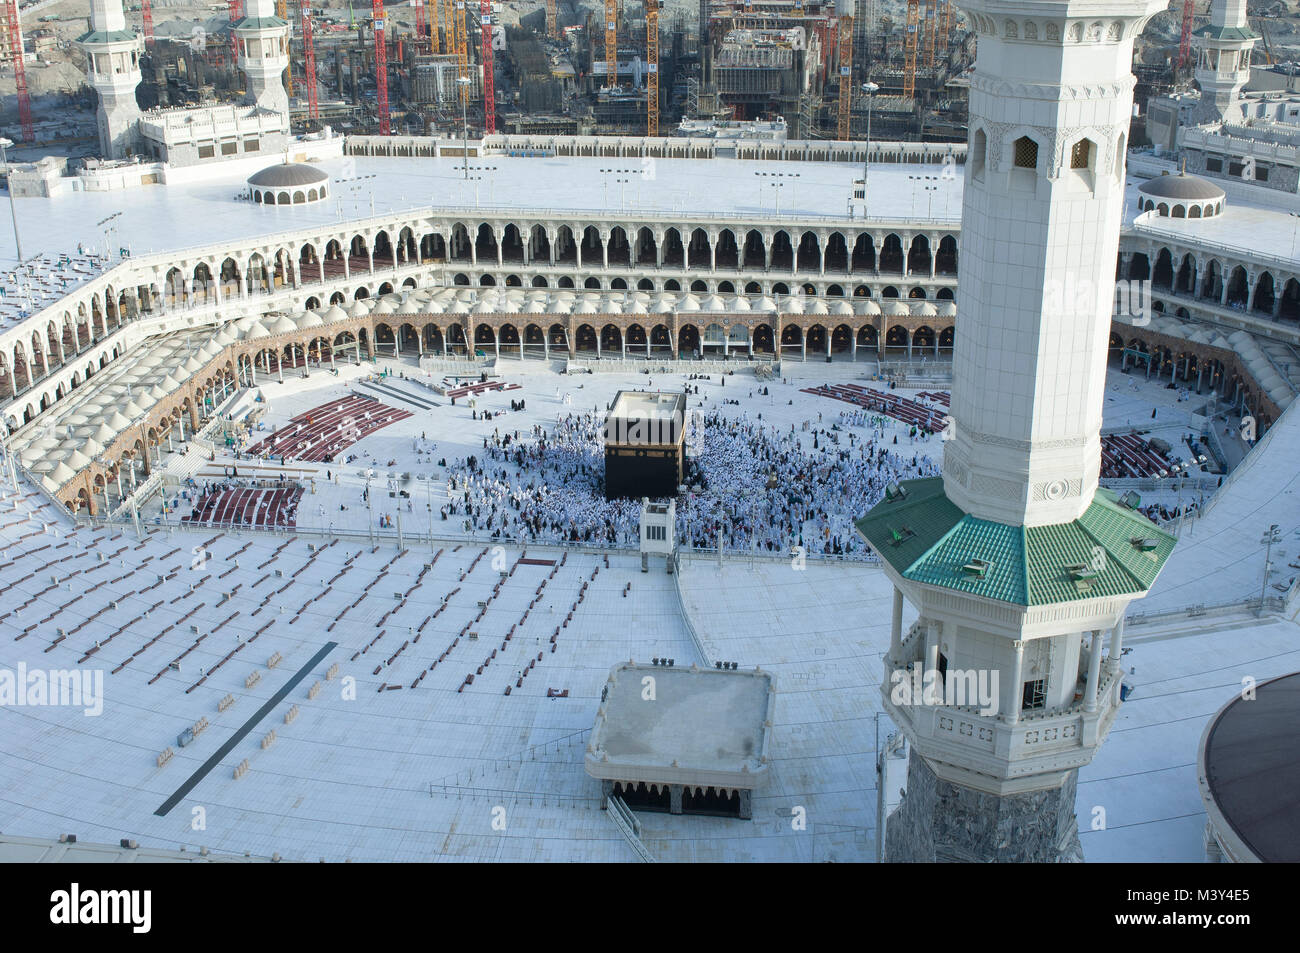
(870, 89)
(1271, 536)
(13, 212)
(463, 82)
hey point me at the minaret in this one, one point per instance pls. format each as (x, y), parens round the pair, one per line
(1016, 561)
(1222, 60)
(113, 67)
(264, 56)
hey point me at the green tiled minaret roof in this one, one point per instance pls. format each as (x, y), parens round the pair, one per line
(927, 538)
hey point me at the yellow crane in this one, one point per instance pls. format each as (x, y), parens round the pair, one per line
(909, 48)
(282, 11)
(551, 29)
(652, 66)
(611, 43)
(462, 51)
(434, 42)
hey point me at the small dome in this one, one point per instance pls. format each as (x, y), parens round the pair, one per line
(288, 175)
(1181, 188)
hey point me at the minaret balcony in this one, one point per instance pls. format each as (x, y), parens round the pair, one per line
(989, 751)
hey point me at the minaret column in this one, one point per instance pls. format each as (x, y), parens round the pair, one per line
(113, 69)
(264, 56)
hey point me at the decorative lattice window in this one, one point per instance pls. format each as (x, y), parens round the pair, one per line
(1026, 153)
(1081, 155)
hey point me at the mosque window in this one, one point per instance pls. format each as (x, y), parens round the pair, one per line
(979, 149)
(1081, 154)
(1026, 153)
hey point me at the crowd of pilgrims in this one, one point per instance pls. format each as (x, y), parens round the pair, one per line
(762, 486)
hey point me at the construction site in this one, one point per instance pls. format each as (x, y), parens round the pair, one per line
(803, 69)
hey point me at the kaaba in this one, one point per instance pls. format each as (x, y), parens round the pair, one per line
(645, 439)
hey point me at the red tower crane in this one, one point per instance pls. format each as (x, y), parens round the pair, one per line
(381, 67)
(147, 13)
(236, 10)
(419, 18)
(20, 69)
(489, 91)
(309, 61)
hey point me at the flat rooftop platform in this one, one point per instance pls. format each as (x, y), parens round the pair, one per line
(630, 404)
(162, 217)
(681, 725)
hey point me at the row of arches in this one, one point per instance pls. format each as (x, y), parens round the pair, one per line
(1211, 280)
(725, 249)
(537, 340)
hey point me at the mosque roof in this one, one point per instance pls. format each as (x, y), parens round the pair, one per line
(287, 175)
(927, 538)
(1182, 187)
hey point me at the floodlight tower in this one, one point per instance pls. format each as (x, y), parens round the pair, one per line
(1017, 563)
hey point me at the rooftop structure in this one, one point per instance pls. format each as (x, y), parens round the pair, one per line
(685, 739)
(1249, 775)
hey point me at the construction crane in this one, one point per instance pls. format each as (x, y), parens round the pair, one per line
(551, 29)
(20, 69)
(309, 61)
(611, 43)
(146, 13)
(489, 81)
(931, 30)
(846, 76)
(433, 25)
(1185, 39)
(236, 10)
(281, 11)
(381, 66)
(909, 49)
(1263, 35)
(652, 66)
(462, 51)
(419, 17)
(448, 27)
